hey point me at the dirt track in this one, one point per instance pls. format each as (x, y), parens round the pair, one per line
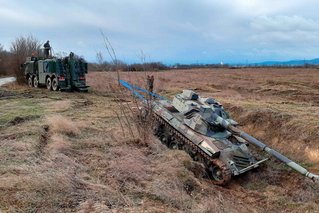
(6, 80)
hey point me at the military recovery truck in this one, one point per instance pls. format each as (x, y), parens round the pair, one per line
(66, 74)
(202, 127)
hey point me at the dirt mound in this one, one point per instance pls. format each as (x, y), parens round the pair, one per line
(6, 94)
(18, 119)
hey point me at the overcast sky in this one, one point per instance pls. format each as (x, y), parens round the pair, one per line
(170, 31)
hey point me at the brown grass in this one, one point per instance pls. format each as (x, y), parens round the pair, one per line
(59, 106)
(58, 143)
(14, 86)
(60, 124)
(88, 163)
(129, 166)
(279, 108)
(282, 100)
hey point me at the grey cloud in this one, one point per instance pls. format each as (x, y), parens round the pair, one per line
(178, 30)
(284, 23)
(285, 32)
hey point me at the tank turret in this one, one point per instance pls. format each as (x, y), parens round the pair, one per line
(197, 113)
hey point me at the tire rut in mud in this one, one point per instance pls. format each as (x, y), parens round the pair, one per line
(43, 140)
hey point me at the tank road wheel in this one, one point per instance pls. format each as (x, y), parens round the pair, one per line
(173, 144)
(157, 128)
(164, 138)
(218, 172)
(49, 83)
(30, 81)
(55, 84)
(35, 82)
(188, 149)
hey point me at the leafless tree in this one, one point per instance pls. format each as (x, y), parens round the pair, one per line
(22, 47)
(112, 54)
(101, 62)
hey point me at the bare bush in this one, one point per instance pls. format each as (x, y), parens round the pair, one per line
(60, 124)
(109, 47)
(135, 115)
(102, 64)
(22, 47)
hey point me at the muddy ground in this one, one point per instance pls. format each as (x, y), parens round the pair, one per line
(84, 152)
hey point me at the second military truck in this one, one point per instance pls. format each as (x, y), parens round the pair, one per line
(64, 74)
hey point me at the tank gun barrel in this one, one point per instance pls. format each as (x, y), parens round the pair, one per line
(227, 125)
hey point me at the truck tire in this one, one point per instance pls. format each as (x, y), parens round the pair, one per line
(55, 84)
(49, 83)
(30, 81)
(35, 82)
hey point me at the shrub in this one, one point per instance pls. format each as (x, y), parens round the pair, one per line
(22, 47)
(60, 124)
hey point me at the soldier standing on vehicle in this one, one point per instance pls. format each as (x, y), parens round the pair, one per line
(47, 48)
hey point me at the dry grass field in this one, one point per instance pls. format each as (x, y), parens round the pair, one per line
(83, 152)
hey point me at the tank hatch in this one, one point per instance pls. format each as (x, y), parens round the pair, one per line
(186, 101)
(197, 114)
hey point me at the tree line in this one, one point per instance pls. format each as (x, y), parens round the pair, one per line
(24, 46)
(122, 66)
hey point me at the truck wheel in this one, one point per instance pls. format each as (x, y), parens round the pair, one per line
(30, 81)
(55, 84)
(49, 84)
(35, 82)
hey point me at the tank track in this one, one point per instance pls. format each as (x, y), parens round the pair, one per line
(211, 164)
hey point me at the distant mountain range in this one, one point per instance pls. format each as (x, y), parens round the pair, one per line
(288, 63)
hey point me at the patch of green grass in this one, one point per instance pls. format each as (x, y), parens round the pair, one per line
(294, 205)
(24, 108)
(277, 165)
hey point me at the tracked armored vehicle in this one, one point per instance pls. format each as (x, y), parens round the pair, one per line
(187, 123)
(205, 130)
